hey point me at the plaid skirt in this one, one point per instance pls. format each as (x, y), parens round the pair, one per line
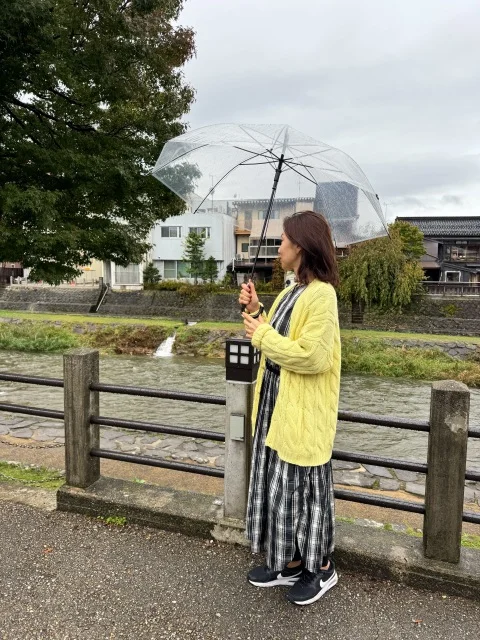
(289, 507)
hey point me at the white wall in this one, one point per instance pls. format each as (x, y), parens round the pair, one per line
(220, 245)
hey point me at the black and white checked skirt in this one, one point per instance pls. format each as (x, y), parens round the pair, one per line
(289, 506)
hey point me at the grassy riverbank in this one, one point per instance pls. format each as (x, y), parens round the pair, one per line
(366, 352)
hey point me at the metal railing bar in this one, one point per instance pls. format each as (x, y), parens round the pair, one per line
(32, 411)
(379, 501)
(471, 516)
(471, 474)
(17, 377)
(384, 421)
(158, 428)
(155, 462)
(379, 461)
(159, 393)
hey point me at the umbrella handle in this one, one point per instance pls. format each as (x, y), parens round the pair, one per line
(244, 307)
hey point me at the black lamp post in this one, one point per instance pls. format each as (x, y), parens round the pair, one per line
(241, 360)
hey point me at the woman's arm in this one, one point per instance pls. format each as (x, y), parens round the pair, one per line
(312, 351)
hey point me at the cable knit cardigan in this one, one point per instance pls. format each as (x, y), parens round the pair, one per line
(304, 420)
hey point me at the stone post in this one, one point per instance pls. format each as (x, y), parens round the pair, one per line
(447, 456)
(241, 367)
(80, 370)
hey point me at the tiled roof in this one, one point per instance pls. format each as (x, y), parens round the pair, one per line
(447, 227)
(277, 200)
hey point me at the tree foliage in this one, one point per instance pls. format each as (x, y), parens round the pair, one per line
(210, 270)
(193, 253)
(411, 238)
(278, 275)
(89, 92)
(384, 272)
(151, 275)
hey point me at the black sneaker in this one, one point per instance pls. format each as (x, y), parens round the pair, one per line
(312, 586)
(265, 577)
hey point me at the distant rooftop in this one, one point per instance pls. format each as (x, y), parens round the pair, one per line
(446, 227)
(277, 200)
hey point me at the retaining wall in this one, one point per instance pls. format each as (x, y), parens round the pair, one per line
(428, 314)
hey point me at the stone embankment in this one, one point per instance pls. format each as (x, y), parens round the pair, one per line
(28, 431)
(427, 314)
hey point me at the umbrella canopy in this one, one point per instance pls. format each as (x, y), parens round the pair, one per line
(219, 167)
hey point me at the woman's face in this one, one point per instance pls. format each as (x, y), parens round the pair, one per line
(289, 254)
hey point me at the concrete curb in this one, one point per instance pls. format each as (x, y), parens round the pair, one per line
(376, 552)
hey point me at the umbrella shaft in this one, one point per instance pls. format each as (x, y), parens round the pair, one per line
(278, 171)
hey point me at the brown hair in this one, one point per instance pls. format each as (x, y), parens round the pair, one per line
(311, 232)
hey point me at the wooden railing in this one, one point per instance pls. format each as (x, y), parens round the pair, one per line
(452, 288)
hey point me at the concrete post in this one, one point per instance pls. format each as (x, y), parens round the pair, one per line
(238, 449)
(80, 370)
(241, 365)
(447, 456)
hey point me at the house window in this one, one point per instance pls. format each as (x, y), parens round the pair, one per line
(201, 231)
(269, 248)
(171, 232)
(248, 219)
(452, 276)
(170, 269)
(458, 253)
(275, 215)
(182, 269)
(127, 275)
(244, 247)
(174, 269)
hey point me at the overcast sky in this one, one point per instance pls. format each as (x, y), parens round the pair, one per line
(396, 85)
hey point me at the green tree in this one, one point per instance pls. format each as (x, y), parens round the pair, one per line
(411, 238)
(278, 275)
(151, 275)
(210, 269)
(383, 272)
(89, 92)
(193, 253)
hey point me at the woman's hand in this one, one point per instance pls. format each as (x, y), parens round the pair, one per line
(248, 297)
(251, 324)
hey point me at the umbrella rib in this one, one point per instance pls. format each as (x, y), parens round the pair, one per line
(255, 155)
(312, 179)
(180, 156)
(250, 135)
(222, 178)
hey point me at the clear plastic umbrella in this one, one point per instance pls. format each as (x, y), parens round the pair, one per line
(221, 166)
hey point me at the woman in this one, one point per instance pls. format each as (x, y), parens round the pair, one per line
(290, 512)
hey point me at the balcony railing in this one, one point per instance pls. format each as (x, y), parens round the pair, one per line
(452, 288)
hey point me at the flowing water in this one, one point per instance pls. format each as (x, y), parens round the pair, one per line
(386, 396)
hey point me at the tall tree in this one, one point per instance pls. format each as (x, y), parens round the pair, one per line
(89, 92)
(194, 254)
(278, 275)
(384, 272)
(210, 269)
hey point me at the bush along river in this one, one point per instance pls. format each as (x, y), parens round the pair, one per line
(387, 396)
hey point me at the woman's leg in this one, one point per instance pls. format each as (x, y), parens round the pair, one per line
(316, 526)
(284, 503)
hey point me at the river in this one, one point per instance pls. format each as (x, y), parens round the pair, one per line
(386, 396)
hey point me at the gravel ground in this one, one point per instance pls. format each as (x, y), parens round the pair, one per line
(65, 576)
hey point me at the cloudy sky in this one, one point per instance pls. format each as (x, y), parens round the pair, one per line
(396, 85)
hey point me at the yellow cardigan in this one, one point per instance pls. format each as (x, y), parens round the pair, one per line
(304, 420)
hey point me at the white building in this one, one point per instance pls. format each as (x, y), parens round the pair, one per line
(168, 238)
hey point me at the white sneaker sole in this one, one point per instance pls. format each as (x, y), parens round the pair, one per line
(282, 582)
(331, 582)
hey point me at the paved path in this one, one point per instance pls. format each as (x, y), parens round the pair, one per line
(50, 433)
(68, 577)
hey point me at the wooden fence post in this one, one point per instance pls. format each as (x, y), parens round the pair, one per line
(81, 369)
(447, 458)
